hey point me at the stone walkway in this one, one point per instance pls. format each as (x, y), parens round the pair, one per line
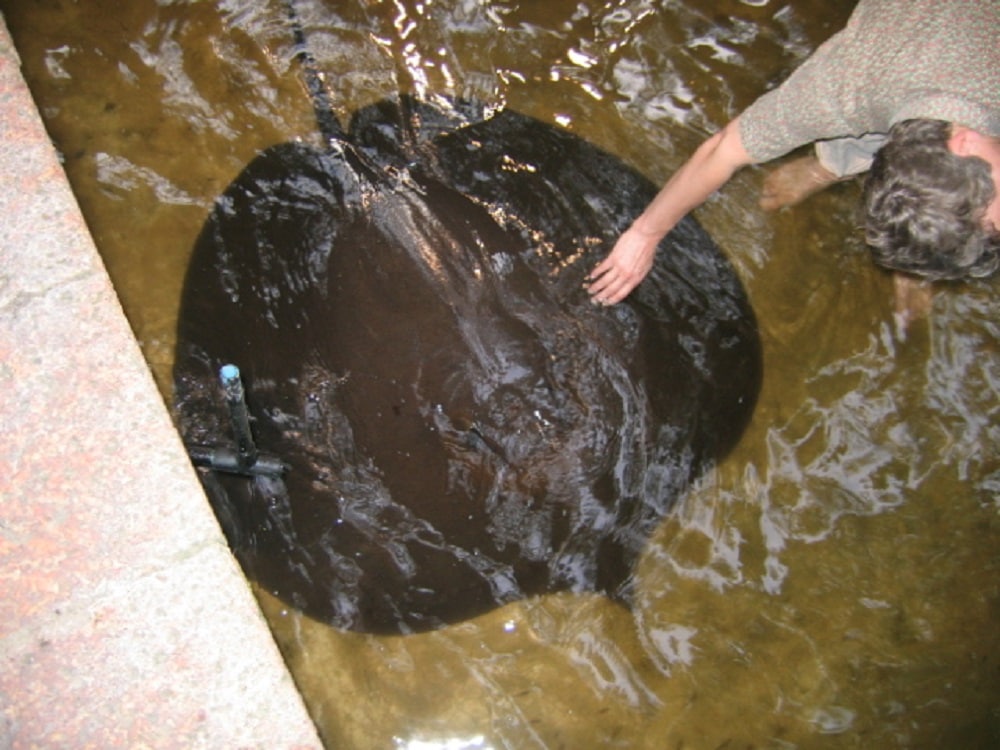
(124, 620)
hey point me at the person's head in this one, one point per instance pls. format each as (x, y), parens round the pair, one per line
(931, 201)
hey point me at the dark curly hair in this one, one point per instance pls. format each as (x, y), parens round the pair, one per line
(924, 206)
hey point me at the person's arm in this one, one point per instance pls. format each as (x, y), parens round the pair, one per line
(708, 169)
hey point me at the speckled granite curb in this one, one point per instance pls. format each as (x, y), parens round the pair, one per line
(124, 621)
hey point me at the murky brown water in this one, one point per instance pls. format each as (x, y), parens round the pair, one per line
(833, 584)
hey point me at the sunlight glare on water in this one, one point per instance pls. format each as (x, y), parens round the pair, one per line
(832, 584)
(471, 743)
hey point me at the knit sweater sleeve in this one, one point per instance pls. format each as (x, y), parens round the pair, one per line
(807, 107)
(895, 60)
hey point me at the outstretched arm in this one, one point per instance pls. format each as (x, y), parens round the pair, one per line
(708, 169)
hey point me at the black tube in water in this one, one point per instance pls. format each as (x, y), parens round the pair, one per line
(315, 83)
(226, 460)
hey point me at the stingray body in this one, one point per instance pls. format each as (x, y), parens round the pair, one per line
(462, 427)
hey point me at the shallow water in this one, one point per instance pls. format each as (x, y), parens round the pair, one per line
(832, 584)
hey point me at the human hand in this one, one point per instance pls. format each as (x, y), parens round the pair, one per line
(792, 182)
(627, 264)
(914, 299)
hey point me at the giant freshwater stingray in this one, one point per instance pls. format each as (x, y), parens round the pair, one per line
(460, 426)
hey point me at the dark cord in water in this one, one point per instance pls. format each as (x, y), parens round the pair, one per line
(319, 93)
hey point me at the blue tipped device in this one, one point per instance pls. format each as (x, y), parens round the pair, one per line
(239, 417)
(245, 460)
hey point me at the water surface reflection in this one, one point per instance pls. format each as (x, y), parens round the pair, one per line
(833, 584)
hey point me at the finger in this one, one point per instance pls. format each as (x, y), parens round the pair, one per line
(619, 292)
(600, 270)
(599, 284)
(612, 293)
(598, 295)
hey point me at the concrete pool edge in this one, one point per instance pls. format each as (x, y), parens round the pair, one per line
(124, 619)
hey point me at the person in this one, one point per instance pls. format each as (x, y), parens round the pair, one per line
(909, 89)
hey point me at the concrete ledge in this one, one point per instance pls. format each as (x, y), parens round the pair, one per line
(124, 620)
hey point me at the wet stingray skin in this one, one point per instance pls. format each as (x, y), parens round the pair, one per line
(463, 428)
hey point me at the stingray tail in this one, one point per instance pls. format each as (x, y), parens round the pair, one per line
(322, 102)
